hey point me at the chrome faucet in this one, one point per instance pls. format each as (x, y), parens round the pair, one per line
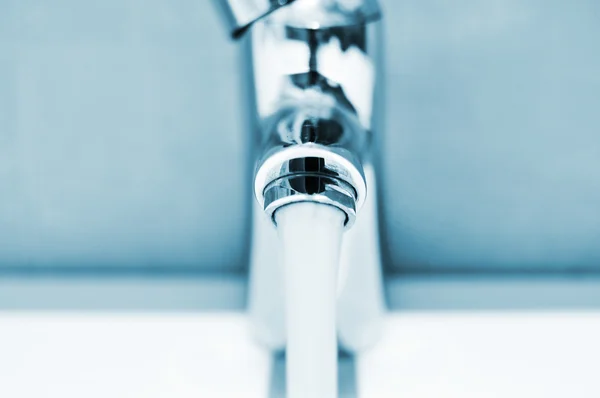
(315, 86)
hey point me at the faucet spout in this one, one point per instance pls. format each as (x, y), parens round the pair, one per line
(314, 70)
(314, 86)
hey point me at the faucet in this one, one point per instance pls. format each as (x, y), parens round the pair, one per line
(315, 79)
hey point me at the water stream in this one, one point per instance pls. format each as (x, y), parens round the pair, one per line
(310, 236)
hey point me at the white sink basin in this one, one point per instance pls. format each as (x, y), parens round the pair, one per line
(464, 355)
(73, 355)
(129, 356)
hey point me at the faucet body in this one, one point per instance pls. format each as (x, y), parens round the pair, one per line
(314, 66)
(314, 71)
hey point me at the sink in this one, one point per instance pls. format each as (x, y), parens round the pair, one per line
(475, 354)
(130, 355)
(423, 354)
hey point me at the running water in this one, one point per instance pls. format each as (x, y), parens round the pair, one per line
(310, 235)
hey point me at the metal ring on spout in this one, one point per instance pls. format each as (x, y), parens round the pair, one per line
(311, 173)
(310, 188)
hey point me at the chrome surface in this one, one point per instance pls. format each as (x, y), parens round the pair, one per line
(300, 143)
(314, 68)
(319, 14)
(239, 15)
(311, 188)
(315, 79)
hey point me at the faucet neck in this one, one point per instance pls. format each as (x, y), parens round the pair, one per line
(240, 15)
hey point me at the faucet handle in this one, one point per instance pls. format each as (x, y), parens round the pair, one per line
(239, 15)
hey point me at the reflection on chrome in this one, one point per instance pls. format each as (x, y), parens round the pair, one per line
(314, 68)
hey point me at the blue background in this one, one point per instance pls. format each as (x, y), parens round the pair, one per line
(123, 144)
